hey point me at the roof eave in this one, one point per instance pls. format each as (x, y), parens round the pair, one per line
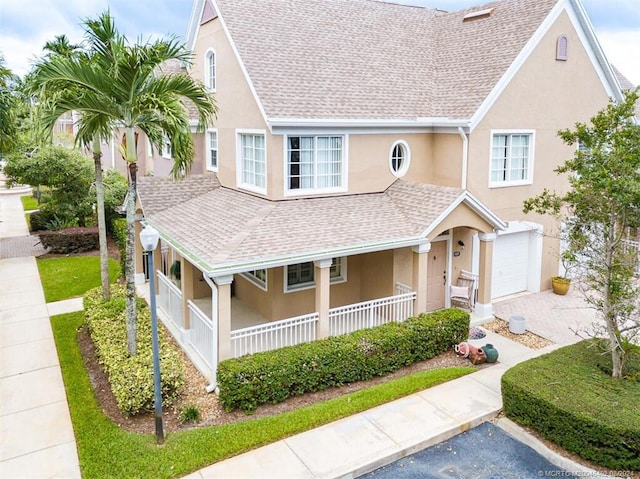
(224, 269)
(276, 124)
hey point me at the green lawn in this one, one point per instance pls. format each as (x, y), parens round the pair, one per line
(69, 277)
(29, 202)
(107, 451)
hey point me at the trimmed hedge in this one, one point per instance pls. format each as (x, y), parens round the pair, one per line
(273, 376)
(131, 377)
(70, 240)
(568, 398)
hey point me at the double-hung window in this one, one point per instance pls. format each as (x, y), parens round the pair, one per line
(511, 158)
(315, 163)
(252, 162)
(302, 275)
(212, 150)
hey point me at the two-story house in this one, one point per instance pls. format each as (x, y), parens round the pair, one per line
(365, 155)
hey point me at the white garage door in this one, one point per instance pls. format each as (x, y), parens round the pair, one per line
(510, 264)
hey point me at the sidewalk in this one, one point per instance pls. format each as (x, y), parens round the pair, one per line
(35, 426)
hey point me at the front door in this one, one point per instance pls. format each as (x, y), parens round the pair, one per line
(437, 276)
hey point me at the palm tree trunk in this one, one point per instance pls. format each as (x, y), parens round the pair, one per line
(132, 324)
(102, 226)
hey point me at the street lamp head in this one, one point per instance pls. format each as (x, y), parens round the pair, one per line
(149, 238)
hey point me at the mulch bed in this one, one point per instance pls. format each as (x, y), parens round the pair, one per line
(207, 403)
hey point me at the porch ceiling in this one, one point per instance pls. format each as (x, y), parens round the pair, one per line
(224, 231)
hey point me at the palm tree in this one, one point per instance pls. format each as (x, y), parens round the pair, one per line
(118, 85)
(7, 108)
(48, 93)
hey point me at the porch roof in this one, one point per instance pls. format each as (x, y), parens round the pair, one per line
(225, 231)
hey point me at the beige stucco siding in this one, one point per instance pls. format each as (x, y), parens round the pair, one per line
(237, 107)
(544, 96)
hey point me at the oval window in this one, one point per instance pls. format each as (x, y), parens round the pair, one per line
(399, 158)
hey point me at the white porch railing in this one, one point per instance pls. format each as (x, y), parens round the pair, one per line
(170, 300)
(202, 334)
(353, 317)
(402, 288)
(633, 246)
(274, 335)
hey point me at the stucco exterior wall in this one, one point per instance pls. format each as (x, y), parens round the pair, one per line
(237, 107)
(545, 96)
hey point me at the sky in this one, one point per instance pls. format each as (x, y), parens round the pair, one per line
(26, 25)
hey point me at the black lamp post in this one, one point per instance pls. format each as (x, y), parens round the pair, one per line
(149, 238)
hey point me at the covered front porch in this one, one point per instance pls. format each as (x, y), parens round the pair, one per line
(240, 274)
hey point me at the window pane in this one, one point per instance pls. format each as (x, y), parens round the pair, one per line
(253, 160)
(314, 162)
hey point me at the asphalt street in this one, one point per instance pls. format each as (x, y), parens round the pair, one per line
(484, 452)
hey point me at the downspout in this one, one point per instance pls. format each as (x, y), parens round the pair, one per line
(214, 314)
(465, 157)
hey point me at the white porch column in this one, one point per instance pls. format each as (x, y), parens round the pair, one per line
(323, 285)
(223, 284)
(484, 308)
(420, 265)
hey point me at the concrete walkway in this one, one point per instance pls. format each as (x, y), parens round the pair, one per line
(36, 435)
(363, 442)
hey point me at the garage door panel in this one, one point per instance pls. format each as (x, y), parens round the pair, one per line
(510, 264)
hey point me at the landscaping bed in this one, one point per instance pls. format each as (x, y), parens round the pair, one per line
(569, 398)
(528, 339)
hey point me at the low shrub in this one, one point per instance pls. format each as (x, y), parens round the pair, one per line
(70, 240)
(131, 377)
(273, 376)
(568, 399)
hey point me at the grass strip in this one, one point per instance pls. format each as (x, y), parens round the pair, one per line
(107, 451)
(29, 203)
(69, 277)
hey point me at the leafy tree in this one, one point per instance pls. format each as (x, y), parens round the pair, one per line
(114, 84)
(602, 202)
(68, 173)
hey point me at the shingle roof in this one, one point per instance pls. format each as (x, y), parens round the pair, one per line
(366, 59)
(224, 226)
(626, 84)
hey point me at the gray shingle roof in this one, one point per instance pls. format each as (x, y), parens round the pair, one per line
(365, 59)
(218, 225)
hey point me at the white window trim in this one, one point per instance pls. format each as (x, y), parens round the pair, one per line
(263, 285)
(208, 149)
(166, 152)
(312, 284)
(239, 182)
(207, 70)
(529, 180)
(315, 191)
(407, 160)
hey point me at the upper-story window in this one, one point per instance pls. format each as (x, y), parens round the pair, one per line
(302, 275)
(399, 158)
(212, 150)
(252, 161)
(315, 163)
(166, 148)
(210, 70)
(511, 158)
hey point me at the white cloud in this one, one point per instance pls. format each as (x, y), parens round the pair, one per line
(622, 49)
